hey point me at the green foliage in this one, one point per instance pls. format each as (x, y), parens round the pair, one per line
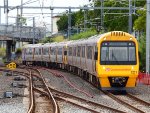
(62, 23)
(18, 51)
(2, 52)
(46, 40)
(111, 21)
(142, 52)
(140, 22)
(22, 20)
(83, 35)
(58, 39)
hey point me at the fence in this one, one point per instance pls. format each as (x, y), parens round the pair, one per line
(144, 78)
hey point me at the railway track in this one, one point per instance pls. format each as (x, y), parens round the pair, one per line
(77, 100)
(31, 94)
(33, 100)
(80, 102)
(130, 101)
(89, 105)
(50, 106)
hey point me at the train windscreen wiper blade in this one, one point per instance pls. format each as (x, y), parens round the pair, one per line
(113, 56)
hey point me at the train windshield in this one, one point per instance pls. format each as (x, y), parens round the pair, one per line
(118, 53)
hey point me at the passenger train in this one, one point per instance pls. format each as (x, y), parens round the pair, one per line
(109, 61)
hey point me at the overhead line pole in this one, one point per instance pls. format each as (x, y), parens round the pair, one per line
(0, 15)
(51, 20)
(69, 23)
(33, 30)
(130, 17)
(148, 38)
(102, 14)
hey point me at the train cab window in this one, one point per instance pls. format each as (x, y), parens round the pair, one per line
(118, 53)
(83, 51)
(131, 53)
(89, 52)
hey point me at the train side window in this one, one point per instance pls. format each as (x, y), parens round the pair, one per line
(83, 51)
(89, 52)
(59, 51)
(26, 51)
(40, 51)
(30, 51)
(54, 53)
(74, 51)
(78, 51)
(70, 51)
(96, 53)
(65, 52)
(36, 51)
(45, 51)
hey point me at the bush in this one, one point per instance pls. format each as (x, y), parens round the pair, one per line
(2, 52)
(18, 51)
(86, 34)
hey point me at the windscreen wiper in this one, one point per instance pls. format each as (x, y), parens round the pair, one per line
(113, 56)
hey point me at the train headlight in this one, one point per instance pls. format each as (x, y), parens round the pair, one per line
(132, 67)
(130, 38)
(103, 67)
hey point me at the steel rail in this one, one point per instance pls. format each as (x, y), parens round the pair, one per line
(31, 108)
(50, 95)
(63, 99)
(122, 102)
(138, 99)
(84, 100)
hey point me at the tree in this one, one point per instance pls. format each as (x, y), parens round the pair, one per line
(21, 20)
(142, 52)
(140, 22)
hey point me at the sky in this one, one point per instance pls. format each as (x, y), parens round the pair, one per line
(39, 19)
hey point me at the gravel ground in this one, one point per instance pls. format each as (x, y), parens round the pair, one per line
(141, 91)
(99, 97)
(11, 105)
(66, 108)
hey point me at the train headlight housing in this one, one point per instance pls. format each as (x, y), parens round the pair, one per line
(105, 38)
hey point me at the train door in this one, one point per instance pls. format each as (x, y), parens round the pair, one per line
(93, 56)
(83, 61)
(78, 64)
(89, 52)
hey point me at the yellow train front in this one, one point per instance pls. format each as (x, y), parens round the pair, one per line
(117, 63)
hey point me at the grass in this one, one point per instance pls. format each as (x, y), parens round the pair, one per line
(86, 34)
